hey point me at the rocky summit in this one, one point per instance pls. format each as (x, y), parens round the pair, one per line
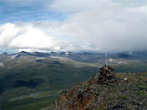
(106, 91)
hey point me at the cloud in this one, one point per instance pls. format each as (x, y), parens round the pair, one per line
(27, 36)
(79, 5)
(35, 37)
(101, 25)
(106, 24)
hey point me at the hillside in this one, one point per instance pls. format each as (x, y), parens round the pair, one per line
(31, 81)
(125, 92)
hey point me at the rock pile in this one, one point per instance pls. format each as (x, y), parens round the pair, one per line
(105, 76)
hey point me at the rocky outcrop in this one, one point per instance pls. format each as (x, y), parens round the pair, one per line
(104, 91)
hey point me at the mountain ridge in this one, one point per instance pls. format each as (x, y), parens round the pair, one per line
(125, 93)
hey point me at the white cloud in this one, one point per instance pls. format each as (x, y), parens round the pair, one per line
(25, 36)
(106, 24)
(7, 33)
(91, 24)
(34, 37)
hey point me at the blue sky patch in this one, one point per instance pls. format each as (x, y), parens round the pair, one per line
(27, 13)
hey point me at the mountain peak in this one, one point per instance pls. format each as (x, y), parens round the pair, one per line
(102, 93)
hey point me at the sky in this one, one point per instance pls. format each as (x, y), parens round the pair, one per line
(73, 25)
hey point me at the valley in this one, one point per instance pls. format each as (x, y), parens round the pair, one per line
(33, 81)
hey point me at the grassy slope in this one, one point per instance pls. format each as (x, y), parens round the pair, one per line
(128, 94)
(30, 84)
(27, 83)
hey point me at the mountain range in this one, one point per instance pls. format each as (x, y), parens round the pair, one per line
(33, 80)
(85, 56)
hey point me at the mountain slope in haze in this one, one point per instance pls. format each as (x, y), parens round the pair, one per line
(28, 82)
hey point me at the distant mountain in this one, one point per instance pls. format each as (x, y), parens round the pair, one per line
(87, 56)
(37, 54)
(92, 57)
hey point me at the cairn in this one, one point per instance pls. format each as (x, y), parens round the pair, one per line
(106, 74)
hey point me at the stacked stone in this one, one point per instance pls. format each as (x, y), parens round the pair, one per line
(106, 73)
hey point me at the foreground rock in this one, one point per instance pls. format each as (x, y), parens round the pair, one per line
(106, 91)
